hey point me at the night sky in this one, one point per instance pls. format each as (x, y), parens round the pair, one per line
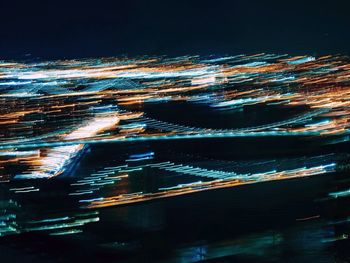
(75, 29)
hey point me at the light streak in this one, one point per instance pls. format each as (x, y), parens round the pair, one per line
(51, 111)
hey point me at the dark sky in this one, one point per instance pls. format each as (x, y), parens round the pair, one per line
(68, 29)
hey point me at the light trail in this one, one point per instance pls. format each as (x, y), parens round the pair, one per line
(191, 188)
(58, 158)
(50, 111)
